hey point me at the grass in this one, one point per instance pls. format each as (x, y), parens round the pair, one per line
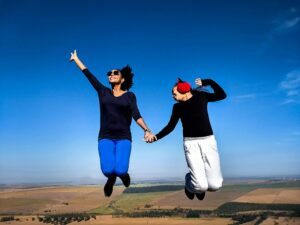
(125, 202)
(155, 188)
(128, 202)
(102, 210)
(251, 187)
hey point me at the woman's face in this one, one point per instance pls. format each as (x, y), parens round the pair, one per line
(115, 77)
(176, 95)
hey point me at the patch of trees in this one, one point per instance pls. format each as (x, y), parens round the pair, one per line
(63, 219)
(258, 216)
(243, 218)
(7, 218)
(228, 210)
(262, 217)
(234, 207)
(147, 206)
(177, 212)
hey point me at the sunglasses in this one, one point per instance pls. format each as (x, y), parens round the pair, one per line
(115, 73)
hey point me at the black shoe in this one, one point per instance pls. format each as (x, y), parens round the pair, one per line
(108, 187)
(189, 194)
(125, 179)
(200, 196)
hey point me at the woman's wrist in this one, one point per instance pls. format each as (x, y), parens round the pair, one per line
(147, 130)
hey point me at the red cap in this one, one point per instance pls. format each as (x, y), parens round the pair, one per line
(183, 87)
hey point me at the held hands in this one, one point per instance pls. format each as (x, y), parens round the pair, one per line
(198, 82)
(149, 137)
(73, 56)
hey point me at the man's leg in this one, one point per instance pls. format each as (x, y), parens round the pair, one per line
(196, 181)
(212, 163)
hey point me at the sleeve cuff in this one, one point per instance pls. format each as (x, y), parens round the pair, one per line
(206, 82)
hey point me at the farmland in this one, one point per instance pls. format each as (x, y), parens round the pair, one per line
(266, 202)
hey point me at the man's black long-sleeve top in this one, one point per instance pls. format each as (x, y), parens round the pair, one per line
(193, 112)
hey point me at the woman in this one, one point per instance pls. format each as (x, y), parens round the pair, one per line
(200, 146)
(117, 107)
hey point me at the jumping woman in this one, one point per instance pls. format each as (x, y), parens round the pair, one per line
(200, 145)
(117, 108)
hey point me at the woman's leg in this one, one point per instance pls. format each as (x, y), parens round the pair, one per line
(212, 163)
(106, 148)
(196, 181)
(123, 150)
(107, 153)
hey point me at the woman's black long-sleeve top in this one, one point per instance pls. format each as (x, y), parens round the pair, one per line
(116, 112)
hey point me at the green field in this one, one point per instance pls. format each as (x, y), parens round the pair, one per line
(138, 197)
(147, 199)
(128, 202)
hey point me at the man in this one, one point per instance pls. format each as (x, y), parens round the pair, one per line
(200, 145)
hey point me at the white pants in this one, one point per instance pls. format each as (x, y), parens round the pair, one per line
(203, 161)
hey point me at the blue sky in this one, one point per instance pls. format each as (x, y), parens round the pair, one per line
(49, 113)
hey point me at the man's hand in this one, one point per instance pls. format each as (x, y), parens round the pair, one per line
(73, 56)
(198, 82)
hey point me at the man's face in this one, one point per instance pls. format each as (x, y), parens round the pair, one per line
(176, 95)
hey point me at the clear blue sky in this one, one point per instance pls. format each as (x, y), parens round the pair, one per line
(49, 113)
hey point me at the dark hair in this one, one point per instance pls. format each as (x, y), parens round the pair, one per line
(128, 77)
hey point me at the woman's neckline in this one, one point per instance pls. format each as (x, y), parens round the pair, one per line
(112, 93)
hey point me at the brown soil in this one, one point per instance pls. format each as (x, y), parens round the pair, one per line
(269, 195)
(54, 199)
(211, 201)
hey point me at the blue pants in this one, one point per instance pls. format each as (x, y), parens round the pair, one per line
(114, 156)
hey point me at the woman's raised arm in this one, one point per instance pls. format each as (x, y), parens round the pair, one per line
(78, 62)
(93, 80)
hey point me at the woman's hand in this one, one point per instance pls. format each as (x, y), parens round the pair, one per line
(149, 137)
(73, 56)
(198, 82)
